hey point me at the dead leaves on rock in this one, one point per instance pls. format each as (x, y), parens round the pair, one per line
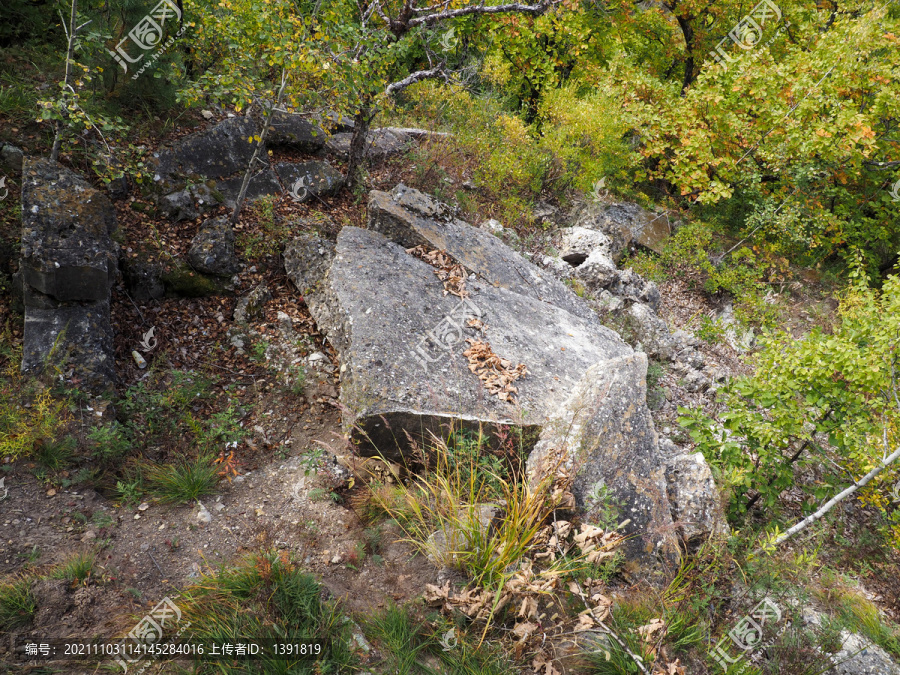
(452, 274)
(496, 373)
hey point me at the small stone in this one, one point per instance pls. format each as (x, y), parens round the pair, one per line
(336, 560)
(144, 506)
(51, 492)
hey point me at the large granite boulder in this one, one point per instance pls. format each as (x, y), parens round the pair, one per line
(603, 436)
(401, 341)
(218, 152)
(380, 143)
(69, 261)
(412, 218)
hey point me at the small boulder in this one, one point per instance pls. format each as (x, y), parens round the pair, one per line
(212, 249)
(597, 271)
(177, 206)
(296, 132)
(577, 243)
(629, 285)
(695, 500)
(625, 224)
(250, 306)
(307, 180)
(11, 158)
(143, 279)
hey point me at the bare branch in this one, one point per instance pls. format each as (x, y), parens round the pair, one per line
(831, 503)
(515, 7)
(418, 76)
(881, 166)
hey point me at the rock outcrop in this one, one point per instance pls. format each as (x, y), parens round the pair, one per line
(68, 264)
(438, 323)
(602, 436)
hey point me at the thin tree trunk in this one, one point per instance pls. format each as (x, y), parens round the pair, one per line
(239, 202)
(837, 499)
(358, 141)
(70, 54)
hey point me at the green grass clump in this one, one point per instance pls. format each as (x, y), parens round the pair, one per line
(17, 604)
(77, 569)
(183, 481)
(266, 596)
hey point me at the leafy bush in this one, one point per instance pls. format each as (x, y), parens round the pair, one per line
(822, 404)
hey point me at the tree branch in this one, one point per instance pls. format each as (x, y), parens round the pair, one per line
(418, 76)
(515, 7)
(830, 504)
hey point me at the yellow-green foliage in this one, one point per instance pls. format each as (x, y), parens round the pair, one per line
(22, 428)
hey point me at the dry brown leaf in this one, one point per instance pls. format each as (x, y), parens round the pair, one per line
(524, 630)
(647, 632)
(542, 665)
(585, 622)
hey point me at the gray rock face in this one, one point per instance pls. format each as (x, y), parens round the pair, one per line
(218, 152)
(411, 218)
(68, 264)
(380, 143)
(317, 179)
(212, 250)
(603, 436)
(694, 497)
(859, 656)
(625, 224)
(297, 132)
(261, 184)
(85, 350)
(67, 249)
(402, 346)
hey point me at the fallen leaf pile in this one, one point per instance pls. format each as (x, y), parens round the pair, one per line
(452, 274)
(496, 373)
(534, 595)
